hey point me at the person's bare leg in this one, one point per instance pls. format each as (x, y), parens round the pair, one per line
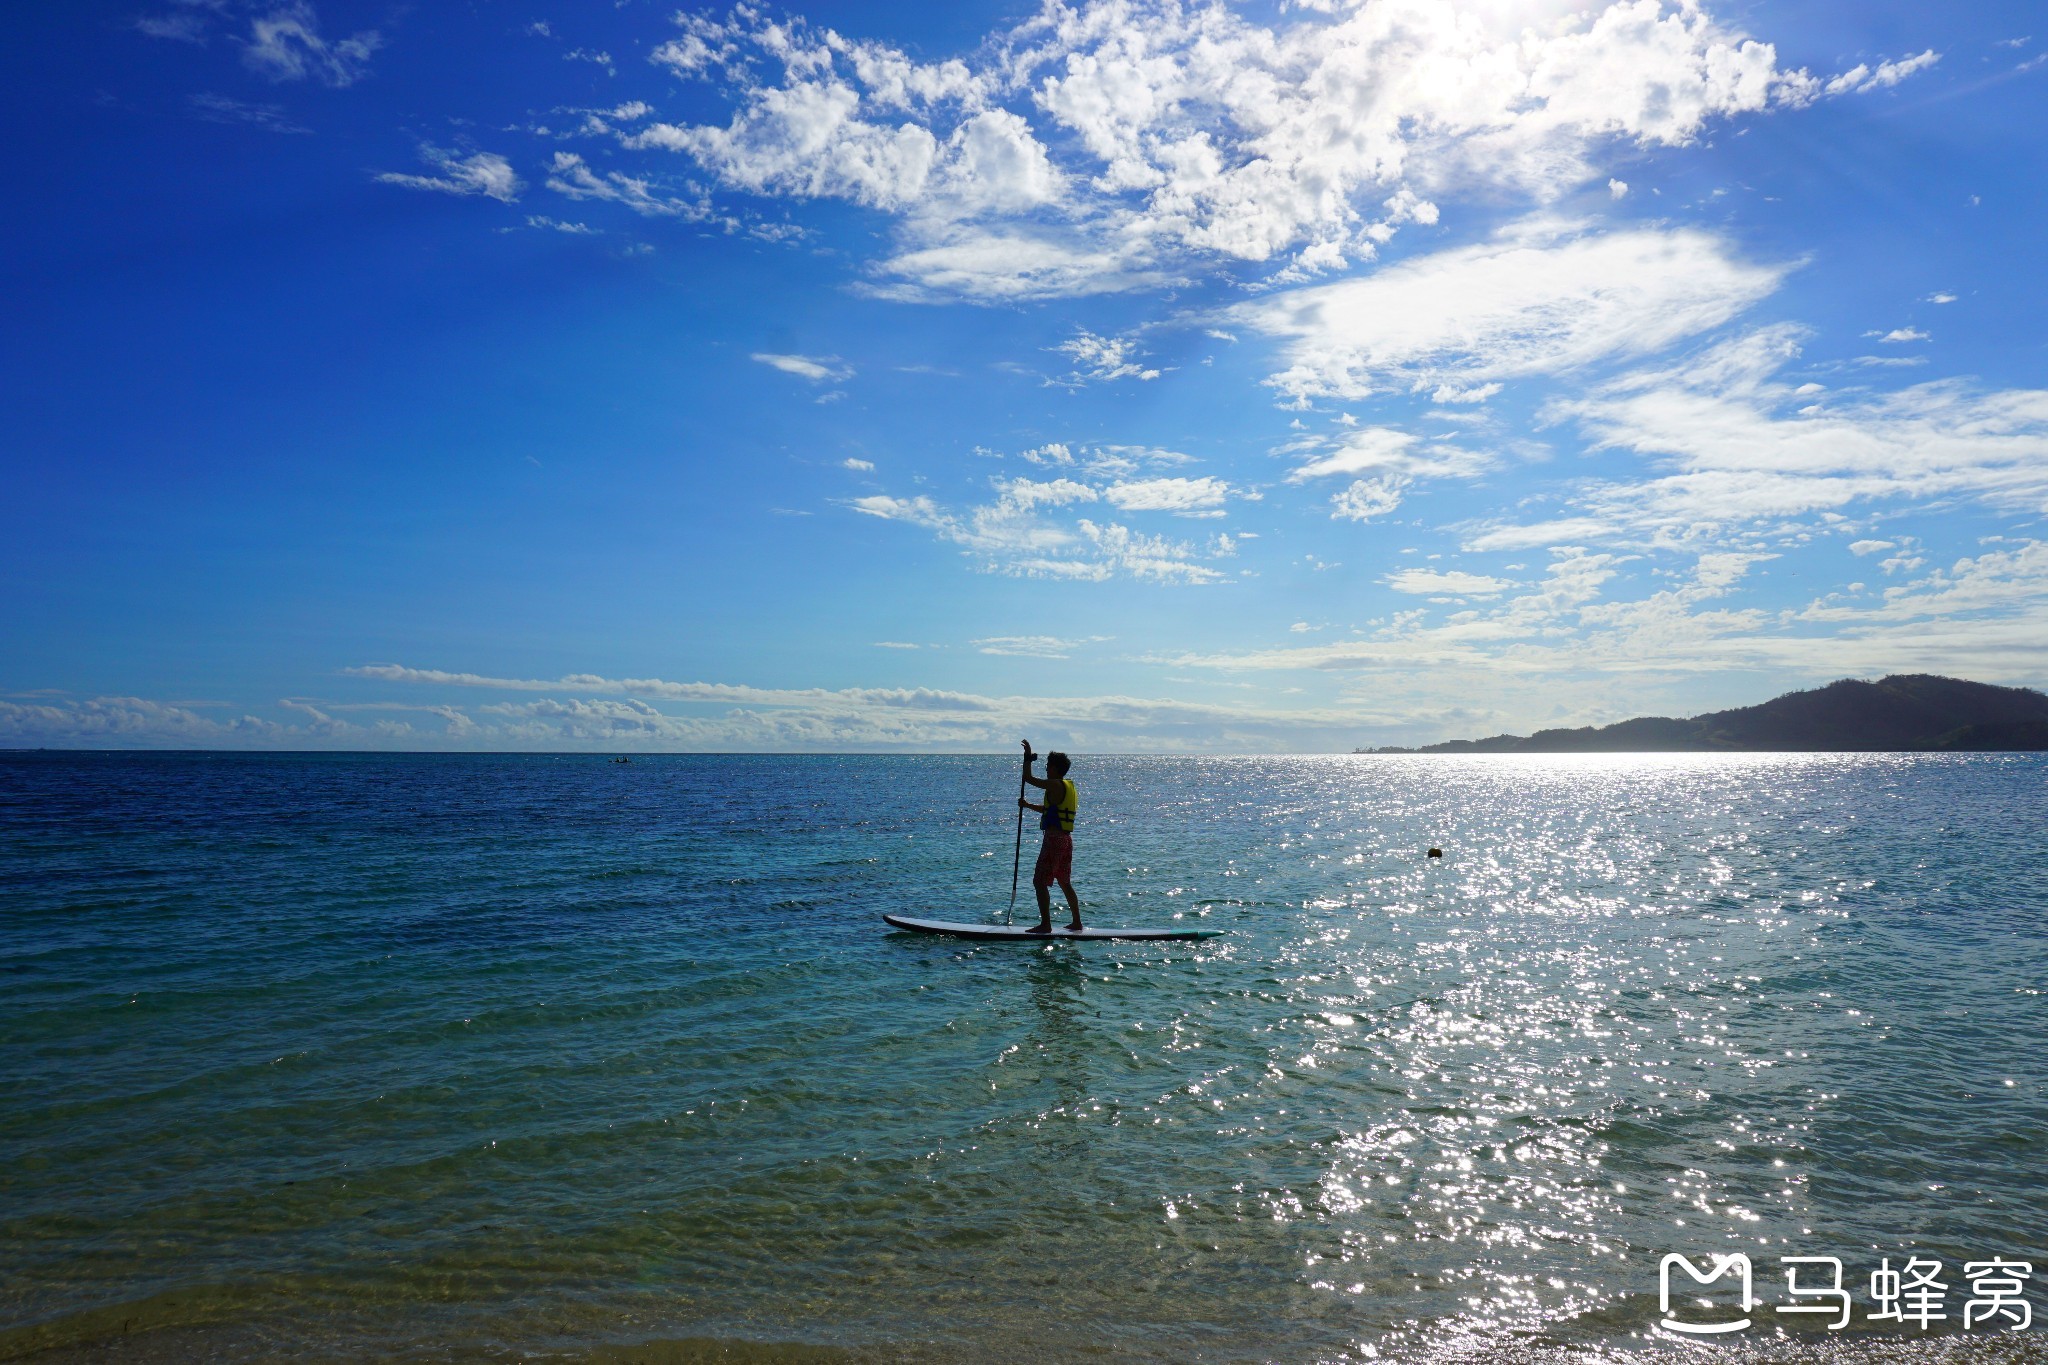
(1044, 925)
(1073, 904)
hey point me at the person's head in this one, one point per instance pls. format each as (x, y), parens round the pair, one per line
(1056, 764)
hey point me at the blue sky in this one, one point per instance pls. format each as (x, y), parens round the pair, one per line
(1130, 376)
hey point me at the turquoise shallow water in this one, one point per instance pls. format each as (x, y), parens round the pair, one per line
(458, 1057)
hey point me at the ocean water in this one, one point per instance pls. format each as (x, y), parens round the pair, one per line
(461, 1057)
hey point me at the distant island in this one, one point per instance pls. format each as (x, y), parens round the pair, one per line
(1907, 711)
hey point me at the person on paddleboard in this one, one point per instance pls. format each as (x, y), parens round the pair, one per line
(1056, 849)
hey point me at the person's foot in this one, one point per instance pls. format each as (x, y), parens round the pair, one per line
(1044, 928)
(1074, 928)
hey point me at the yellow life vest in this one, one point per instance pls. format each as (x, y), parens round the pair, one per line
(1069, 802)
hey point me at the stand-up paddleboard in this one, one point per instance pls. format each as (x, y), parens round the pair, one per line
(1007, 931)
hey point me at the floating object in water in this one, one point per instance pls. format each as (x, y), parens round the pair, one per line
(1006, 931)
(1436, 853)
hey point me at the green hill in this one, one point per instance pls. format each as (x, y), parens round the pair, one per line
(1907, 711)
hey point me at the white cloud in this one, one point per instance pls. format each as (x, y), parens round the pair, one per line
(1202, 497)
(858, 466)
(1026, 494)
(1943, 297)
(1139, 137)
(1734, 448)
(573, 177)
(594, 711)
(1538, 535)
(1034, 646)
(1381, 450)
(1864, 78)
(1454, 582)
(285, 45)
(1451, 393)
(221, 109)
(1898, 334)
(1012, 535)
(1870, 547)
(818, 369)
(1543, 299)
(1367, 498)
(127, 722)
(989, 264)
(183, 28)
(1103, 358)
(484, 173)
(1617, 189)
(1119, 461)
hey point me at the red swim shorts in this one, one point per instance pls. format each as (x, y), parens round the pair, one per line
(1055, 860)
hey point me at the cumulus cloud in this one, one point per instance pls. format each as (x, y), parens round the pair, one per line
(591, 710)
(1202, 497)
(1119, 142)
(1366, 499)
(1103, 358)
(484, 173)
(588, 712)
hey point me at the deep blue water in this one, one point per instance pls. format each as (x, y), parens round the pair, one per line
(461, 1056)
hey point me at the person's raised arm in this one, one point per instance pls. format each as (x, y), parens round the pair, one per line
(1039, 782)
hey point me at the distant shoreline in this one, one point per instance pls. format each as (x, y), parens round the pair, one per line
(1904, 713)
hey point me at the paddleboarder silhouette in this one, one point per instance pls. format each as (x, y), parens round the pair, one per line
(1056, 846)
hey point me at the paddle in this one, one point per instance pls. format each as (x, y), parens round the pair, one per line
(1017, 859)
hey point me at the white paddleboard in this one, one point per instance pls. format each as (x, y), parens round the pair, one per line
(1007, 931)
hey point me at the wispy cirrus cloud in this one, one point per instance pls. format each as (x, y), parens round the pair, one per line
(284, 43)
(1547, 298)
(479, 173)
(1734, 448)
(1035, 646)
(1454, 583)
(271, 118)
(1863, 77)
(572, 177)
(1014, 535)
(817, 369)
